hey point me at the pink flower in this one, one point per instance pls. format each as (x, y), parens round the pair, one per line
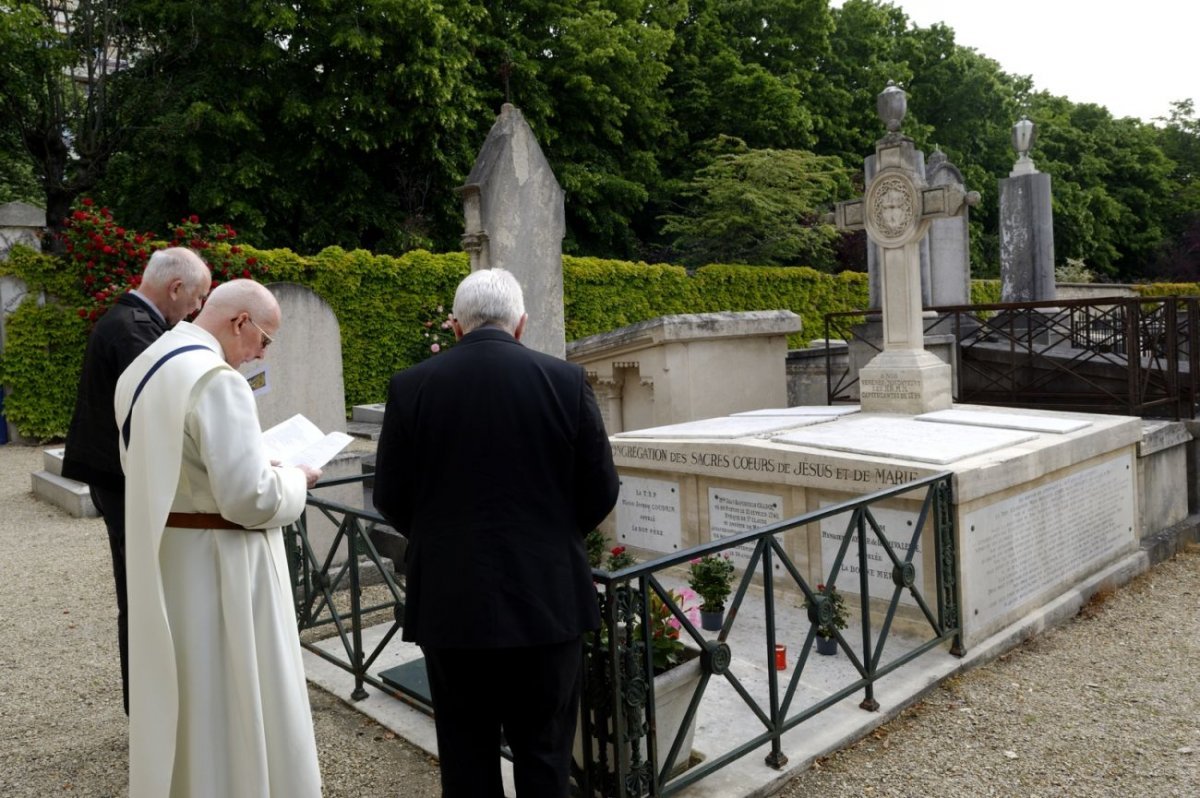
(435, 348)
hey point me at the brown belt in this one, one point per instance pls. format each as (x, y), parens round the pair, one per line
(201, 521)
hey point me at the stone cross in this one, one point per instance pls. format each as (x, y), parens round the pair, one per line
(896, 211)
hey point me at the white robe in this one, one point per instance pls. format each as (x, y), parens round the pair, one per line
(218, 701)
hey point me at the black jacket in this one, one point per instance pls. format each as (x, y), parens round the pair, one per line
(127, 328)
(494, 462)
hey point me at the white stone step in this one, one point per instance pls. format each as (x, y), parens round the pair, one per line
(64, 493)
(364, 429)
(52, 460)
(372, 414)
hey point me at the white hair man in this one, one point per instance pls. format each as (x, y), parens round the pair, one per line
(173, 286)
(494, 463)
(219, 704)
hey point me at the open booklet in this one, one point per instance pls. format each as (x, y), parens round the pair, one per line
(298, 441)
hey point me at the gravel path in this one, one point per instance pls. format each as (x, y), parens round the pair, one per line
(1107, 705)
(62, 729)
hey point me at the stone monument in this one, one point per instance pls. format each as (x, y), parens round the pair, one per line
(949, 241)
(658, 371)
(896, 211)
(513, 206)
(302, 373)
(1026, 226)
(20, 223)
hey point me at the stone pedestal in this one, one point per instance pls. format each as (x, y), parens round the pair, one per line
(1026, 239)
(905, 381)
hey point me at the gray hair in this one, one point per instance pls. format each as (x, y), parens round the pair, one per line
(489, 297)
(175, 263)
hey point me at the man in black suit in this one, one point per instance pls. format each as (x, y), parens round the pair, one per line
(494, 463)
(173, 285)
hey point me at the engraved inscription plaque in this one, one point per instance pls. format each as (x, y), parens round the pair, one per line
(1047, 537)
(898, 527)
(733, 511)
(648, 514)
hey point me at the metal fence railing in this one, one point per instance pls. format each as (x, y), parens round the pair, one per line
(328, 586)
(1136, 356)
(617, 751)
(621, 724)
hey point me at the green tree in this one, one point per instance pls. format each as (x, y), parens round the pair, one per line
(588, 77)
(1179, 137)
(342, 122)
(59, 63)
(760, 207)
(1111, 185)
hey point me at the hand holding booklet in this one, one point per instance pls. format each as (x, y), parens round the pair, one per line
(298, 441)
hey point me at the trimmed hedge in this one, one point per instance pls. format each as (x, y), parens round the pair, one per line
(1167, 289)
(383, 304)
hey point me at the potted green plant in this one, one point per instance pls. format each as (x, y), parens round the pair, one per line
(676, 666)
(711, 576)
(594, 543)
(828, 614)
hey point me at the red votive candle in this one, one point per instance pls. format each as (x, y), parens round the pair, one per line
(780, 657)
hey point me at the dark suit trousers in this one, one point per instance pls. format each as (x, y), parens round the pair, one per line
(111, 505)
(529, 693)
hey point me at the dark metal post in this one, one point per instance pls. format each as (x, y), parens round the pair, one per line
(864, 593)
(352, 547)
(776, 758)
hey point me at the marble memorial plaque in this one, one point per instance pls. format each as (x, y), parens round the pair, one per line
(1020, 421)
(1046, 537)
(804, 410)
(648, 514)
(904, 439)
(724, 427)
(898, 527)
(731, 512)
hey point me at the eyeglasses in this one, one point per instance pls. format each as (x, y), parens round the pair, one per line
(266, 339)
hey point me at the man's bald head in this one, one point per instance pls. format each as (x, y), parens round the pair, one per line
(243, 316)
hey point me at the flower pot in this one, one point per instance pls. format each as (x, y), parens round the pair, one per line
(827, 646)
(673, 690)
(712, 621)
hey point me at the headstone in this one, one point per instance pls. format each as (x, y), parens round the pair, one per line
(1026, 226)
(681, 368)
(949, 242)
(302, 373)
(303, 366)
(21, 223)
(513, 206)
(896, 212)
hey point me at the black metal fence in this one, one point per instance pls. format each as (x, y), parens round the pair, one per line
(1136, 356)
(328, 587)
(620, 717)
(617, 751)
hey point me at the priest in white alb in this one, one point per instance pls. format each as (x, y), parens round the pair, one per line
(218, 704)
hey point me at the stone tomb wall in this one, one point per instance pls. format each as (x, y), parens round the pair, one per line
(1033, 517)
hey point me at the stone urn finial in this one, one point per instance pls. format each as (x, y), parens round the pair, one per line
(1024, 133)
(892, 105)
